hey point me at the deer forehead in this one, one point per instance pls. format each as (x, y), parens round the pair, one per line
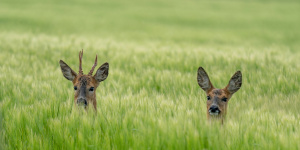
(218, 92)
(85, 80)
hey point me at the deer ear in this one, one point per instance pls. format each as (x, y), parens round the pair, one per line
(67, 71)
(102, 72)
(235, 83)
(203, 80)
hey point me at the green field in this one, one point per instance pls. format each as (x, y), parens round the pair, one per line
(151, 99)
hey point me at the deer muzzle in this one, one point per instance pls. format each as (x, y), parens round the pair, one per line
(81, 102)
(214, 110)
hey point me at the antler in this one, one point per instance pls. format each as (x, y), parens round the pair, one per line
(80, 62)
(92, 70)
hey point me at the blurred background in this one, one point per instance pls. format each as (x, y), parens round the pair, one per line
(258, 22)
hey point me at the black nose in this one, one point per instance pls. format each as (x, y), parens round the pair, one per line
(214, 109)
(81, 101)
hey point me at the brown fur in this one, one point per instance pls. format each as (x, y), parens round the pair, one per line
(216, 95)
(85, 85)
(91, 82)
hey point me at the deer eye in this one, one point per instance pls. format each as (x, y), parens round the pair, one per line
(91, 89)
(224, 99)
(208, 97)
(75, 87)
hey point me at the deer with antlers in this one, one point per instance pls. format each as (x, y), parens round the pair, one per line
(85, 85)
(217, 99)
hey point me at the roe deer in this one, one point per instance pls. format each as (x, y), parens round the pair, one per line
(85, 85)
(217, 99)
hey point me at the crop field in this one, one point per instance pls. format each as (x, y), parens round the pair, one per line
(151, 98)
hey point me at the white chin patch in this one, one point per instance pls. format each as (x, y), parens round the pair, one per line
(214, 114)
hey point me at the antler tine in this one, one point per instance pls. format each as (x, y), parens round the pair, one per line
(80, 62)
(92, 70)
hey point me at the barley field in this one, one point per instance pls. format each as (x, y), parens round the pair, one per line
(151, 98)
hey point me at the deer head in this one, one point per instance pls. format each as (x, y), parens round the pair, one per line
(217, 99)
(85, 85)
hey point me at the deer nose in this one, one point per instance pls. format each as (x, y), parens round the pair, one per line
(214, 109)
(81, 101)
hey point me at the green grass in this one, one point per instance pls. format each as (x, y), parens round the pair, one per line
(151, 99)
